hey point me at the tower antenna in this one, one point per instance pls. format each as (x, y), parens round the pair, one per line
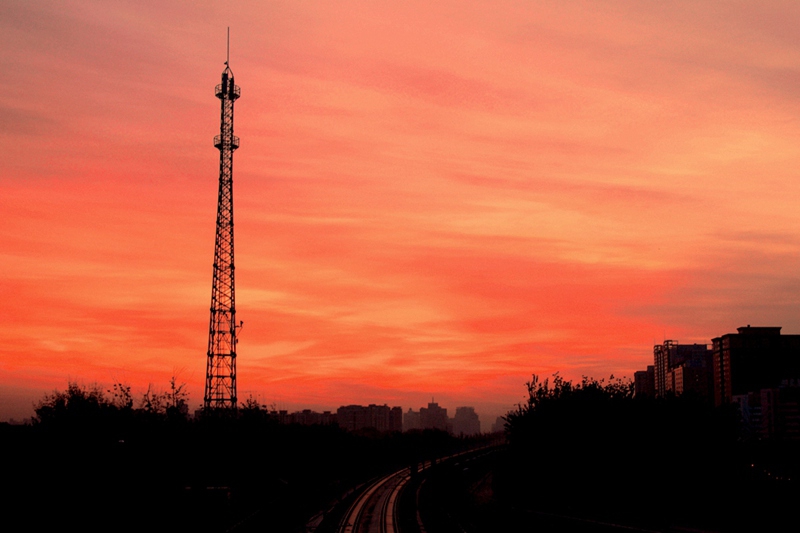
(228, 55)
(220, 389)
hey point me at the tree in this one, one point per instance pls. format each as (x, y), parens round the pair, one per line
(593, 449)
(77, 405)
(81, 406)
(121, 396)
(177, 401)
(172, 405)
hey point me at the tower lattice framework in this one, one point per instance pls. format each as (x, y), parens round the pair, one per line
(220, 390)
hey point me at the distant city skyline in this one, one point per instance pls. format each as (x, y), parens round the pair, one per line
(431, 200)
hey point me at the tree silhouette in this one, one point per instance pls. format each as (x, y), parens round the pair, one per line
(592, 449)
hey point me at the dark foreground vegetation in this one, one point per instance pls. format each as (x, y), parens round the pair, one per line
(591, 457)
(586, 456)
(97, 460)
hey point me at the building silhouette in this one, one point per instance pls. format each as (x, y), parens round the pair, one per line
(380, 417)
(433, 417)
(753, 359)
(411, 420)
(644, 383)
(771, 412)
(757, 369)
(466, 421)
(306, 417)
(499, 425)
(680, 368)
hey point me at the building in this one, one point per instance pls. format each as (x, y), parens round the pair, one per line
(680, 368)
(780, 411)
(411, 420)
(753, 359)
(433, 417)
(396, 419)
(380, 417)
(466, 422)
(772, 413)
(306, 417)
(644, 383)
(694, 379)
(499, 425)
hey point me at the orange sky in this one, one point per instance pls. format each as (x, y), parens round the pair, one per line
(432, 198)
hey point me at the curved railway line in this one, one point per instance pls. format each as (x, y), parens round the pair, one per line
(375, 510)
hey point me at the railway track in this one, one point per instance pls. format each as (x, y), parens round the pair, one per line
(375, 510)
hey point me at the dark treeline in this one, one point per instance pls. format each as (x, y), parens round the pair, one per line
(592, 450)
(578, 456)
(96, 459)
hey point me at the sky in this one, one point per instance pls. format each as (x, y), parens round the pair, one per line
(432, 199)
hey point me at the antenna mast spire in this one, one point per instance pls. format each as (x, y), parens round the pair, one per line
(220, 389)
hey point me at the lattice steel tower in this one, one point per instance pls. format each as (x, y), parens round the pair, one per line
(221, 368)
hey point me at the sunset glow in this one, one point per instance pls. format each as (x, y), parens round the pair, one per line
(431, 198)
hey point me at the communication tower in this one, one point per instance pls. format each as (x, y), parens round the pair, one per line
(220, 390)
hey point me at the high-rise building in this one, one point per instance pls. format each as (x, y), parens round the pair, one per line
(680, 368)
(411, 420)
(433, 417)
(499, 425)
(466, 421)
(771, 413)
(755, 358)
(644, 384)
